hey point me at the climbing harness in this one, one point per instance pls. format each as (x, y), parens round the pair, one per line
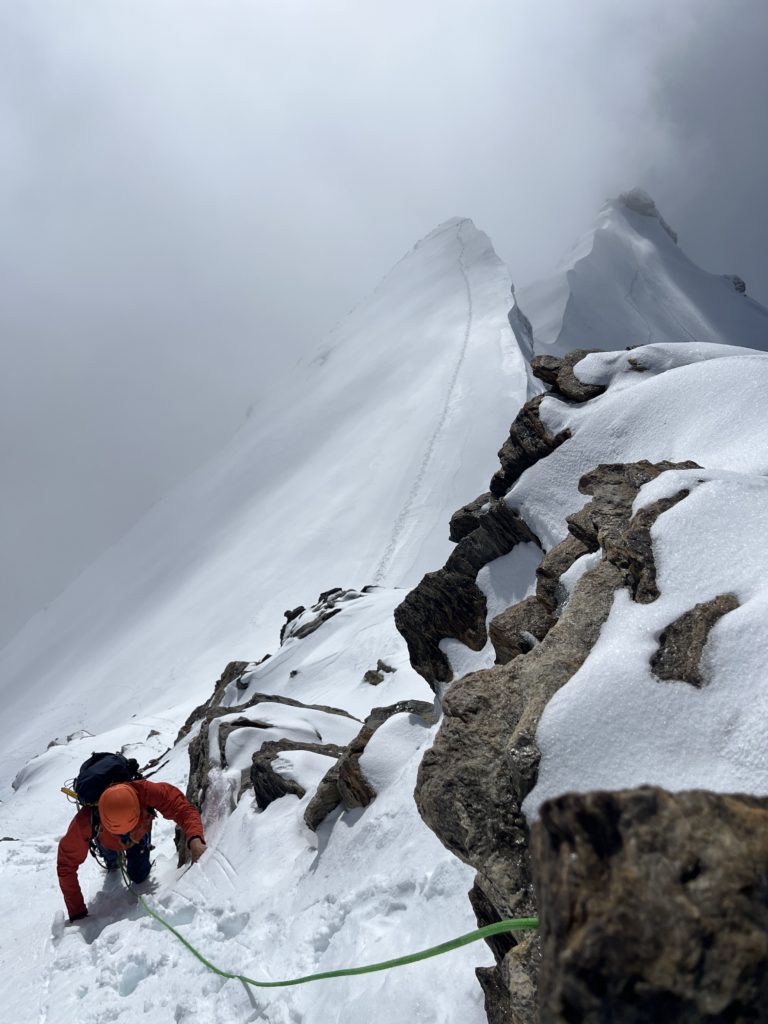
(512, 925)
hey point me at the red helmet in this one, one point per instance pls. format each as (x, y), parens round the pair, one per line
(120, 809)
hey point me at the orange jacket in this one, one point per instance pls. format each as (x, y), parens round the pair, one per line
(73, 846)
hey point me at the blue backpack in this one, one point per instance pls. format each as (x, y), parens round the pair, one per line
(101, 771)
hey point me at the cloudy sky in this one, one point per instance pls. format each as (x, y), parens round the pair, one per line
(193, 191)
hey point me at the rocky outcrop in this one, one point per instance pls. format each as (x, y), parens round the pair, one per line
(737, 283)
(557, 560)
(484, 760)
(653, 907)
(682, 643)
(518, 629)
(448, 603)
(528, 442)
(302, 622)
(467, 518)
(345, 782)
(604, 523)
(268, 784)
(290, 615)
(245, 716)
(558, 372)
(374, 676)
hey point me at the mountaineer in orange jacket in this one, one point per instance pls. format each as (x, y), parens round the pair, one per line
(124, 825)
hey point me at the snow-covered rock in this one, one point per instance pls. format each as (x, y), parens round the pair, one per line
(645, 664)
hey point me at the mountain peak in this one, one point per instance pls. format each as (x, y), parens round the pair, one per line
(639, 201)
(626, 282)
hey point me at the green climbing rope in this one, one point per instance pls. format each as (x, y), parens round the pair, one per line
(513, 925)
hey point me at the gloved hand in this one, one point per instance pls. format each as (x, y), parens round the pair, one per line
(196, 848)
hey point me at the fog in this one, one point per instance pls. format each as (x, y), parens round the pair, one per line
(193, 191)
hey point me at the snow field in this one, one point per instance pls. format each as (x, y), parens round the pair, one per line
(362, 453)
(270, 898)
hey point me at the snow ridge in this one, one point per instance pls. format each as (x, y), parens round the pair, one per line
(627, 282)
(406, 513)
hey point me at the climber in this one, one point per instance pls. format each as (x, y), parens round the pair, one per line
(123, 824)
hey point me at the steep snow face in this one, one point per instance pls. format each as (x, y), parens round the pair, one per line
(347, 475)
(626, 282)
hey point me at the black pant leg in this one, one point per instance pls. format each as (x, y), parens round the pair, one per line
(137, 863)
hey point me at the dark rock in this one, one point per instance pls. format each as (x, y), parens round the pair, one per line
(345, 783)
(443, 604)
(559, 374)
(510, 988)
(557, 560)
(269, 785)
(516, 630)
(499, 529)
(293, 673)
(653, 907)
(632, 551)
(528, 442)
(199, 749)
(737, 283)
(605, 521)
(326, 799)
(290, 615)
(465, 519)
(354, 789)
(300, 626)
(448, 603)
(681, 644)
(374, 676)
(546, 368)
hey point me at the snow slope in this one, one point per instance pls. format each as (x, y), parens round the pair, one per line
(614, 724)
(348, 476)
(269, 898)
(626, 282)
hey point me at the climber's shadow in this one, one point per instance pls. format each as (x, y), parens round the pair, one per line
(114, 902)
